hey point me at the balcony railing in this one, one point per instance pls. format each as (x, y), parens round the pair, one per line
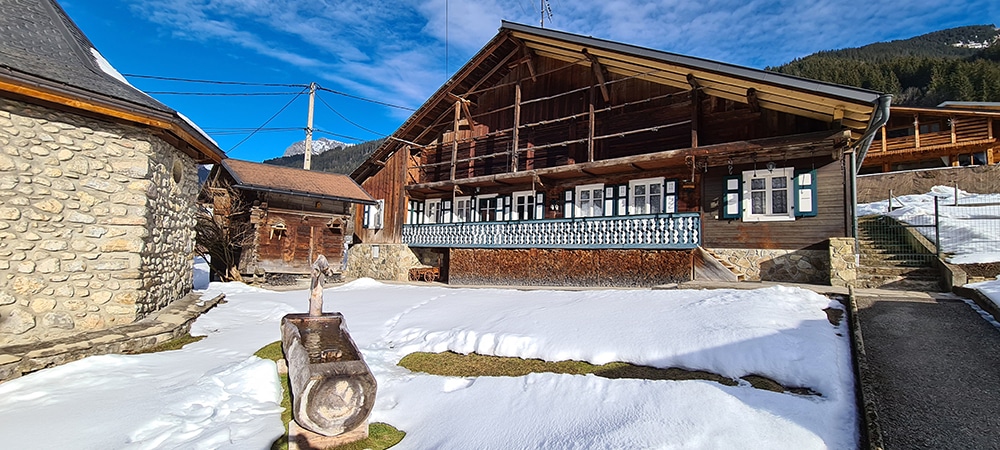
(660, 231)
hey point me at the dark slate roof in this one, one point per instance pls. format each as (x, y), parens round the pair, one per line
(42, 52)
(264, 177)
(37, 38)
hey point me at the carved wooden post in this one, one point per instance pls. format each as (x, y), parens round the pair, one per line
(320, 270)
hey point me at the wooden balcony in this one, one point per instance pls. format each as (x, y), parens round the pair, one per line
(657, 231)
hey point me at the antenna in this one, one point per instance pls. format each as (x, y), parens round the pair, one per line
(546, 10)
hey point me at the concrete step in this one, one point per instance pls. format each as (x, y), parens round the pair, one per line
(912, 272)
(899, 283)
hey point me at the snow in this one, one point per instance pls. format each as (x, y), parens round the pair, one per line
(968, 233)
(215, 394)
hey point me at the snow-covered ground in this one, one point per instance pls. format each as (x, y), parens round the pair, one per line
(215, 394)
(969, 234)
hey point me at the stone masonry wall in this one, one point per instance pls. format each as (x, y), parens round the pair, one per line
(393, 263)
(94, 231)
(791, 266)
(843, 262)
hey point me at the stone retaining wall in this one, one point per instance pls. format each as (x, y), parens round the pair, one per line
(792, 266)
(96, 223)
(164, 325)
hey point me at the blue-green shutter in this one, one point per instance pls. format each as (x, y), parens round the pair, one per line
(539, 205)
(670, 195)
(731, 204)
(805, 193)
(568, 203)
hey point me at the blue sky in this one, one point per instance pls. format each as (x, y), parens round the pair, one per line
(398, 52)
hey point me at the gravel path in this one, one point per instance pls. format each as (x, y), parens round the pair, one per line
(935, 368)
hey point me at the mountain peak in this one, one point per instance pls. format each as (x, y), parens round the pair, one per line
(318, 146)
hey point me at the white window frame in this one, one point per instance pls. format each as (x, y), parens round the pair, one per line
(647, 182)
(375, 215)
(475, 211)
(432, 211)
(577, 201)
(529, 204)
(467, 217)
(768, 175)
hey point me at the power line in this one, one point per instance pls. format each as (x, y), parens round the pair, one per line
(340, 135)
(348, 120)
(191, 80)
(365, 99)
(268, 120)
(220, 94)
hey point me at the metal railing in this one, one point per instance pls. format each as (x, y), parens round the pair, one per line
(658, 231)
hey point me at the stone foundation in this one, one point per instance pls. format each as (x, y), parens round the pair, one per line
(790, 266)
(843, 262)
(164, 325)
(393, 262)
(96, 223)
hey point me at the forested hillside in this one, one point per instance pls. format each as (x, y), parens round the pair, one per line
(337, 160)
(958, 64)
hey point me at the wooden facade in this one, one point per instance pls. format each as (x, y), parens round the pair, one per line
(291, 216)
(949, 136)
(549, 150)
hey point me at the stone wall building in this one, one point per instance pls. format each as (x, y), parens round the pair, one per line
(98, 183)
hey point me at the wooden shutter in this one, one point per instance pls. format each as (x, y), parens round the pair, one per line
(539, 205)
(731, 206)
(670, 196)
(609, 200)
(805, 193)
(568, 204)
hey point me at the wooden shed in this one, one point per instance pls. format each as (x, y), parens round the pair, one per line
(557, 159)
(294, 215)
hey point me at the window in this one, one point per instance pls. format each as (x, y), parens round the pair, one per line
(432, 211)
(767, 195)
(486, 211)
(374, 215)
(415, 210)
(590, 200)
(524, 206)
(647, 196)
(463, 209)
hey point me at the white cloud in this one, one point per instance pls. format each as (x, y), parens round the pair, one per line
(394, 50)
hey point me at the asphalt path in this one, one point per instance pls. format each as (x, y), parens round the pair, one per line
(934, 367)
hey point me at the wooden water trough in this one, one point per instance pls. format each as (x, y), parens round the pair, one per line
(333, 390)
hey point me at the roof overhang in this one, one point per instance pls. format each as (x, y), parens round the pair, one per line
(188, 139)
(852, 108)
(799, 146)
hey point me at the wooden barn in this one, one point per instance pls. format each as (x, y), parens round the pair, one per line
(953, 134)
(557, 159)
(289, 216)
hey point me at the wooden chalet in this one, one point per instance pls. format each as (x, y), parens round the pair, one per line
(951, 135)
(292, 215)
(557, 159)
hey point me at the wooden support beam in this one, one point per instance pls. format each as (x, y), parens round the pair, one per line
(590, 126)
(753, 101)
(454, 140)
(530, 62)
(916, 130)
(695, 112)
(989, 128)
(598, 69)
(884, 145)
(952, 120)
(517, 125)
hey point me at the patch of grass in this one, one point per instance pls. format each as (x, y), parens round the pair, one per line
(380, 435)
(476, 365)
(174, 344)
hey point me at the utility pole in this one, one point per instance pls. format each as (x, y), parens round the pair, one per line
(307, 161)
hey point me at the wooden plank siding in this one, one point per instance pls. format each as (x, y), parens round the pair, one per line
(386, 185)
(305, 238)
(802, 233)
